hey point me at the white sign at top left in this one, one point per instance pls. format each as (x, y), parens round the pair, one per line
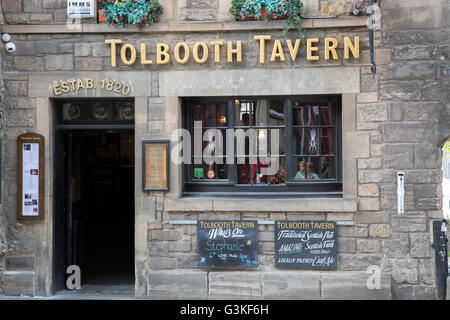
(81, 8)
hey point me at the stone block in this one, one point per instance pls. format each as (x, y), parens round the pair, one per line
(369, 217)
(368, 97)
(20, 118)
(32, 6)
(408, 132)
(176, 284)
(405, 270)
(88, 64)
(11, 6)
(291, 285)
(158, 248)
(165, 235)
(82, 49)
(162, 263)
(46, 47)
(372, 112)
(16, 88)
(412, 52)
(408, 224)
(369, 204)
(353, 286)
(28, 63)
(59, 62)
(368, 246)
(399, 156)
(180, 246)
(346, 245)
(235, 285)
(379, 231)
(396, 246)
(420, 245)
(426, 272)
(25, 48)
(410, 71)
(357, 262)
(410, 111)
(426, 156)
(16, 263)
(372, 163)
(368, 190)
(18, 282)
(401, 90)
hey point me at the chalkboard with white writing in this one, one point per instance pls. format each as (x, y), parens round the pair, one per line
(227, 244)
(306, 245)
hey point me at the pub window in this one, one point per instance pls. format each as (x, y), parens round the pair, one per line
(263, 146)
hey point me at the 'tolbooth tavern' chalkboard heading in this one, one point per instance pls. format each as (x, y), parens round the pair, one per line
(306, 245)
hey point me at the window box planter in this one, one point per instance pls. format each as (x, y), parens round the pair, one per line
(121, 12)
(264, 16)
(267, 10)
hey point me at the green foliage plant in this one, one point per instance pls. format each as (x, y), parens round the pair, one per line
(139, 12)
(291, 10)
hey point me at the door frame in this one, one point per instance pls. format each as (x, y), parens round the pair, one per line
(59, 238)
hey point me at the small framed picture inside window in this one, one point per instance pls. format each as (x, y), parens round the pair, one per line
(155, 160)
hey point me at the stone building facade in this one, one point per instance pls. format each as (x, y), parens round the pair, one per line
(393, 121)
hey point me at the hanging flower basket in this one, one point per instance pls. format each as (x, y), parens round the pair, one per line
(139, 12)
(267, 10)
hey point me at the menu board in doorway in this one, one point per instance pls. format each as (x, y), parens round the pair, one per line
(306, 245)
(227, 244)
(155, 173)
(30, 177)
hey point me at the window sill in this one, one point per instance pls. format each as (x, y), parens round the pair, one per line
(183, 27)
(205, 204)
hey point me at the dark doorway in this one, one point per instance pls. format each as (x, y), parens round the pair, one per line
(94, 216)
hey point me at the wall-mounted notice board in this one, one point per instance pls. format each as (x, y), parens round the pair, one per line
(30, 176)
(227, 244)
(306, 245)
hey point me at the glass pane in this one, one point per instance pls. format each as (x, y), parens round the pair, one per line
(209, 172)
(243, 173)
(279, 176)
(312, 141)
(103, 111)
(243, 112)
(124, 111)
(210, 116)
(222, 119)
(327, 168)
(326, 116)
(276, 113)
(306, 168)
(260, 115)
(306, 115)
(326, 141)
(214, 145)
(301, 115)
(75, 111)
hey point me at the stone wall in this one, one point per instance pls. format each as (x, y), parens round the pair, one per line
(412, 105)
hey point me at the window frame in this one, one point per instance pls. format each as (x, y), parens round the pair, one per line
(229, 187)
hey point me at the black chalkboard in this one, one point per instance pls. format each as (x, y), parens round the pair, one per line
(227, 244)
(306, 245)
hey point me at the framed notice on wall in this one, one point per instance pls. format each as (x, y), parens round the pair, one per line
(30, 176)
(155, 164)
